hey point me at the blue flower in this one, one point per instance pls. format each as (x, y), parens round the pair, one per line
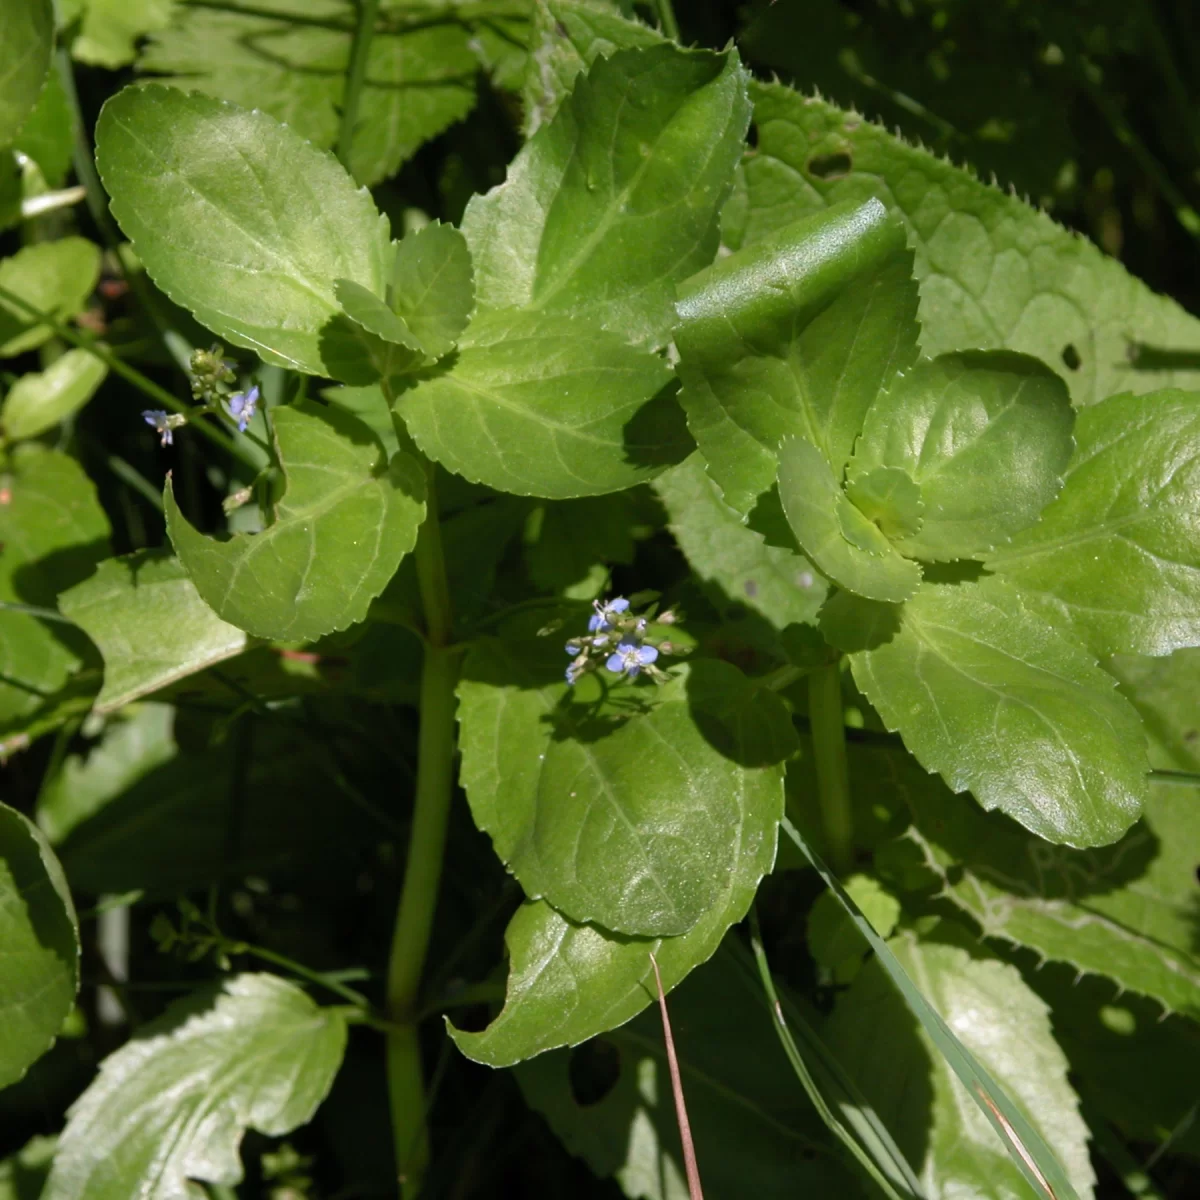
(241, 407)
(605, 614)
(630, 657)
(573, 648)
(159, 418)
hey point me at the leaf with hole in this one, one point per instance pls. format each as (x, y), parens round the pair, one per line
(346, 518)
(615, 200)
(172, 1104)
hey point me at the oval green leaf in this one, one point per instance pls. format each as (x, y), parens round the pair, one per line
(986, 436)
(26, 42)
(345, 520)
(55, 277)
(548, 406)
(39, 946)
(240, 220)
(39, 400)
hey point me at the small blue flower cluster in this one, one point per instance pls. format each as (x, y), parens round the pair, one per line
(210, 373)
(618, 637)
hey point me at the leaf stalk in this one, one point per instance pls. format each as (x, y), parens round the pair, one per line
(829, 754)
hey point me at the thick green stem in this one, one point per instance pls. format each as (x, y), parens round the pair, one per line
(368, 11)
(666, 18)
(423, 869)
(828, 728)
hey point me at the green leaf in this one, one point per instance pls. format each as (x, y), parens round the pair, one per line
(567, 38)
(997, 701)
(615, 201)
(40, 400)
(22, 1175)
(889, 499)
(26, 43)
(53, 531)
(843, 543)
(755, 1136)
(284, 62)
(149, 623)
(56, 277)
(132, 746)
(1117, 555)
(110, 28)
(986, 437)
(240, 220)
(796, 335)
(1005, 1025)
(172, 1104)
(833, 938)
(548, 406)
(433, 286)
(345, 520)
(625, 811)
(1125, 911)
(779, 584)
(1025, 1144)
(39, 945)
(994, 272)
(46, 136)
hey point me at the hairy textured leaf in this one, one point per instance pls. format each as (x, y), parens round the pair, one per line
(1125, 911)
(997, 701)
(283, 61)
(56, 277)
(795, 335)
(240, 220)
(345, 520)
(149, 623)
(26, 43)
(172, 1104)
(567, 37)
(985, 437)
(1117, 555)
(615, 200)
(39, 946)
(756, 1133)
(850, 549)
(1006, 1026)
(548, 406)
(40, 400)
(778, 583)
(628, 813)
(994, 273)
(53, 532)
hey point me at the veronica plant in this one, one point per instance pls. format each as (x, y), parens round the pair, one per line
(886, 556)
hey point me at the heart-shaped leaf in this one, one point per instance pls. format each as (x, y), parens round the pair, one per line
(548, 406)
(795, 336)
(616, 200)
(345, 520)
(628, 811)
(985, 436)
(242, 221)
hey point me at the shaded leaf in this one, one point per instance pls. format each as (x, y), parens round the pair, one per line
(46, 135)
(172, 1104)
(55, 277)
(1004, 1024)
(985, 437)
(547, 406)
(994, 272)
(40, 400)
(240, 220)
(110, 28)
(1117, 555)
(345, 520)
(39, 946)
(843, 543)
(149, 623)
(628, 813)
(997, 701)
(26, 43)
(615, 201)
(795, 336)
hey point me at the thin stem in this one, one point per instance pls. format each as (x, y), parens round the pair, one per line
(118, 366)
(97, 202)
(426, 849)
(666, 18)
(299, 969)
(133, 478)
(828, 727)
(356, 76)
(35, 610)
